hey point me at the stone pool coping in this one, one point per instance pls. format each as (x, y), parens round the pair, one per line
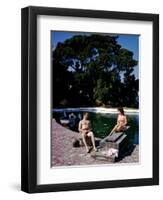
(64, 154)
(97, 110)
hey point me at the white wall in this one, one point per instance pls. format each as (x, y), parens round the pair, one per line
(10, 79)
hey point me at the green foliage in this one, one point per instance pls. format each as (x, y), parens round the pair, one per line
(101, 91)
(88, 70)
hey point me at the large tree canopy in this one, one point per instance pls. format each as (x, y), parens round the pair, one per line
(93, 70)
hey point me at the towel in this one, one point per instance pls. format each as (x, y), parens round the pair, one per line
(111, 152)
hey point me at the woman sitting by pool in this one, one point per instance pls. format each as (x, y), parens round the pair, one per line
(85, 128)
(121, 122)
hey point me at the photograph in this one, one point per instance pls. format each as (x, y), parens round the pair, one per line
(90, 99)
(94, 99)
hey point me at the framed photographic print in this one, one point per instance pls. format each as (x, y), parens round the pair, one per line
(90, 99)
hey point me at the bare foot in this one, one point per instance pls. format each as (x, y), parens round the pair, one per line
(87, 150)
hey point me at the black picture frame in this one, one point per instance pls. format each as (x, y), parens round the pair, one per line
(29, 99)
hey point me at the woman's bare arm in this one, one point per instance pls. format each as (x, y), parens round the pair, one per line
(117, 120)
(90, 126)
(125, 122)
(80, 127)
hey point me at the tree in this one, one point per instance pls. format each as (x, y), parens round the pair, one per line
(88, 69)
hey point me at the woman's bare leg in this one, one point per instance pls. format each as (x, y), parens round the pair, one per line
(90, 134)
(120, 128)
(84, 141)
(114, 129)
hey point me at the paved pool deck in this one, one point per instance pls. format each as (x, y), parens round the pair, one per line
(64, 154)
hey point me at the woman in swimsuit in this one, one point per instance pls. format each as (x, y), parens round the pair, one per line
(85, 128)
(121, 121)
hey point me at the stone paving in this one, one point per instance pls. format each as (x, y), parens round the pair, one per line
(64, 154)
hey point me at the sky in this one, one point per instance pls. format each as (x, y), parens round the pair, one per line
(130, 42)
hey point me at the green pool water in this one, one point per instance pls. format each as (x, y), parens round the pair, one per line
(102, 124)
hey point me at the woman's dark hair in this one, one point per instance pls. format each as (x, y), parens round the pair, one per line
(120, 109)
(85, 113)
